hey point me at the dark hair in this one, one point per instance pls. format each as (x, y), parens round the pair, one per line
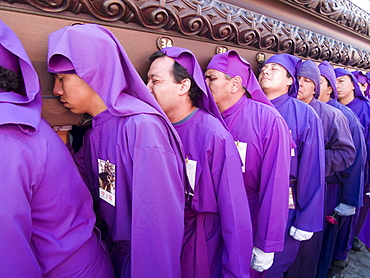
(8, 80)
(179, 73)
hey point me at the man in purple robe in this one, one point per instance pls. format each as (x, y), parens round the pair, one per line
(362, 81)
(131, 156)
(339, 155)
(46, 215)
(307, 168)
(264, 142)
(345, 186)
(350, 94)
(218, 231)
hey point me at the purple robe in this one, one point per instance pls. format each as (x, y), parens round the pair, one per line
(266, 177)
(47, 220)
(135, 141)
(361, 106)
(256, 123)
(47, 210)
(365, 232)
(218, 233)
(339, 147)
(307, 173)
(339, 155)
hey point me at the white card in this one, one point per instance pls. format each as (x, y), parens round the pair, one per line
(191, 169)
(292, 153)
(107, 181)
(242, 149)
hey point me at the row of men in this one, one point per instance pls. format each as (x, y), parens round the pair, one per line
(260, 168)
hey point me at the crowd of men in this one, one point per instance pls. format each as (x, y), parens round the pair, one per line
(219, 173)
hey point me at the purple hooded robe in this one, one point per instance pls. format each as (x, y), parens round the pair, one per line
(218, 232)
(307, 168)
(362, 78)
(47, 220)
(136, 142)
(361, 107)
(266, 177)
(339, 155)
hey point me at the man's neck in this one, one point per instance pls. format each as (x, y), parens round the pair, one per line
(179, 114)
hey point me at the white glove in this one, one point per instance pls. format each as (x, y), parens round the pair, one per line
(261, 260)
(345, 210)
(300, 235)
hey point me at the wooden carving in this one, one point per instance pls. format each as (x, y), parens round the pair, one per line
(221, 22)
(342, 12)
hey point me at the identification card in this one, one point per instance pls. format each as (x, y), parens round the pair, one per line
(191, 170)
(107, 181)
(291, 199)
(292, 153)
(242, 149)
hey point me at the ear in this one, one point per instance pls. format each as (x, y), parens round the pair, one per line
(330, 90)
(185, 86)
(236, 84)
(290, 81)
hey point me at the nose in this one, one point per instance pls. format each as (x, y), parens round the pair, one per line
(149, 85)
(57, 89)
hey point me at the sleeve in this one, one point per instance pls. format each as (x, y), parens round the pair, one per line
(274, 188)
(18, 168)
(311, 178)
(233, 207)
(158, 200)
(340, 153)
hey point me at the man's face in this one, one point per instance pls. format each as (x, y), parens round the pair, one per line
(325, 89)
(306, 89)
(345, 89)
(273, 77)
(219, 86)
(74, 93)
(162, 85)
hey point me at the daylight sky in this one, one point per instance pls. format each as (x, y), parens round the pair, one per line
(363, 4)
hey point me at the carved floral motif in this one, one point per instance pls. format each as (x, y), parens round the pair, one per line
(222, 22)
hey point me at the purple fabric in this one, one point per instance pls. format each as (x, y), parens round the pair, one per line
(146, 225)
(292, 65)
(266, 177)
(339, 155)
(24, 107)
(47, 218)
(188, 61)
(339, 147)
(362, 78)
(365, 231)
(310, 70)
(218, 231)
(118, 69)
(352, 178)
(368, 85)
(357, 93)
(307, 173)
(328, 72)
(233, 64)
(149, 210)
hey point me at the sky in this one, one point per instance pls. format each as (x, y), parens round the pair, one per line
(363, 4)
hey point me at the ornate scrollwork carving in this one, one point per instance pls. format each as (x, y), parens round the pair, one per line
(222, 22)
(342, 12)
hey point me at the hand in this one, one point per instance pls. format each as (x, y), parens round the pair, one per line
(261, 260)
(300, 235)
(345, 210)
